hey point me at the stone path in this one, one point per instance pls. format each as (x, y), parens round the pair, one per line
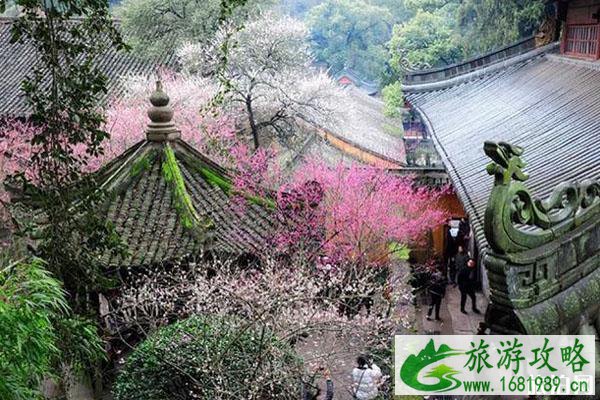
(453, 321)
(341, 353)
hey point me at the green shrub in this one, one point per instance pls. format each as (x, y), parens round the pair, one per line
(210, 358)
(37, 329)
(29, 300)
(393, 99)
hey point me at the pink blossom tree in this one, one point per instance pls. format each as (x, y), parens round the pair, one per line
(354, 212)
(15, 156)
(339, 211)
(204, 126)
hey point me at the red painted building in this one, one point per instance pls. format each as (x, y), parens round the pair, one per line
(581, 32)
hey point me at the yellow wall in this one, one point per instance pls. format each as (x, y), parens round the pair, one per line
(358, 153)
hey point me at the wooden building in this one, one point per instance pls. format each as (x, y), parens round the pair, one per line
(536, 220)
(348, 77)
(581, 37)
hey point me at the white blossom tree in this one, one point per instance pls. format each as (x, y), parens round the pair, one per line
(345, 303)
(266, 70)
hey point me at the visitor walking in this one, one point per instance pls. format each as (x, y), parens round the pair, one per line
(366, 378)
(437, 291)
(466, 284)
(460, 263)
(464, 232)
(312, 392)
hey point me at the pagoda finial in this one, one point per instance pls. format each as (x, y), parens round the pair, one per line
(161, 126)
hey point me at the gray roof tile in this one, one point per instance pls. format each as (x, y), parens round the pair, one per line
(17, 60)
(144, 215)
(547, 104)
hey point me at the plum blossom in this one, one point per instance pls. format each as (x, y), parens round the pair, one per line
(293, 301)
(267, 77)
(354, 212)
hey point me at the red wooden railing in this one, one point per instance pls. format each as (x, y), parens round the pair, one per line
(582, 41)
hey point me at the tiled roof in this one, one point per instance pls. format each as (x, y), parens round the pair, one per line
(17, 60)
(368, 87)
(365, 126)
(543, 102)
(144, 210)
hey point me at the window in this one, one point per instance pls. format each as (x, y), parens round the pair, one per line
(582, 40)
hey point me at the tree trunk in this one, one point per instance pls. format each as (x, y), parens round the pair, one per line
(253, 127)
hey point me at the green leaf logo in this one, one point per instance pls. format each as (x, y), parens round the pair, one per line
(409, 373)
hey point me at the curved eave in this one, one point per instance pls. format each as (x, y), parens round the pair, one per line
(461, 189)
(545, 103)
(167, 201)
(480, 72)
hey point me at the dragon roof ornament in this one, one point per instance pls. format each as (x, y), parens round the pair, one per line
(515, 221)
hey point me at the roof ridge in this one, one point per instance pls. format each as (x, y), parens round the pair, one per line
(480, 72)
(476, 57)
(593, 65)
(492, 57)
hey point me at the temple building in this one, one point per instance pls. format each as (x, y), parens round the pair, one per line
(171, 205)
(17, 61)
(169, 201)
(348, 77)
(364, 133)
(533, 110)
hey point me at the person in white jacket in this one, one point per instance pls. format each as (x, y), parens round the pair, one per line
(366, 377)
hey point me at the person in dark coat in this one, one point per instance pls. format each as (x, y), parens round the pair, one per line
(464, 232)
(466, 284)
(460, 263)
(311, 392)
(437, 291)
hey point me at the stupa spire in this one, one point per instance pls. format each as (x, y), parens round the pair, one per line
(161, 127)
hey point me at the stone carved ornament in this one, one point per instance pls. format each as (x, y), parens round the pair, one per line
(515, 221)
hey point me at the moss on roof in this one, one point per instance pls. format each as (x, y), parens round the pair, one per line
(170, 201)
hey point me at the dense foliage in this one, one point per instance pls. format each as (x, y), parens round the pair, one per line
(29, 301)
(298, 8)
(394, 99)
(444, 32)
(351, 34)
(210, 358)
(423, 33)
(491, 24)
(155, 28)
(64, 91)
(64, 133)
(37, 330)
(425, 41)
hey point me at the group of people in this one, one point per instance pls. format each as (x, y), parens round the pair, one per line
(462, 272)
(366, 378)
